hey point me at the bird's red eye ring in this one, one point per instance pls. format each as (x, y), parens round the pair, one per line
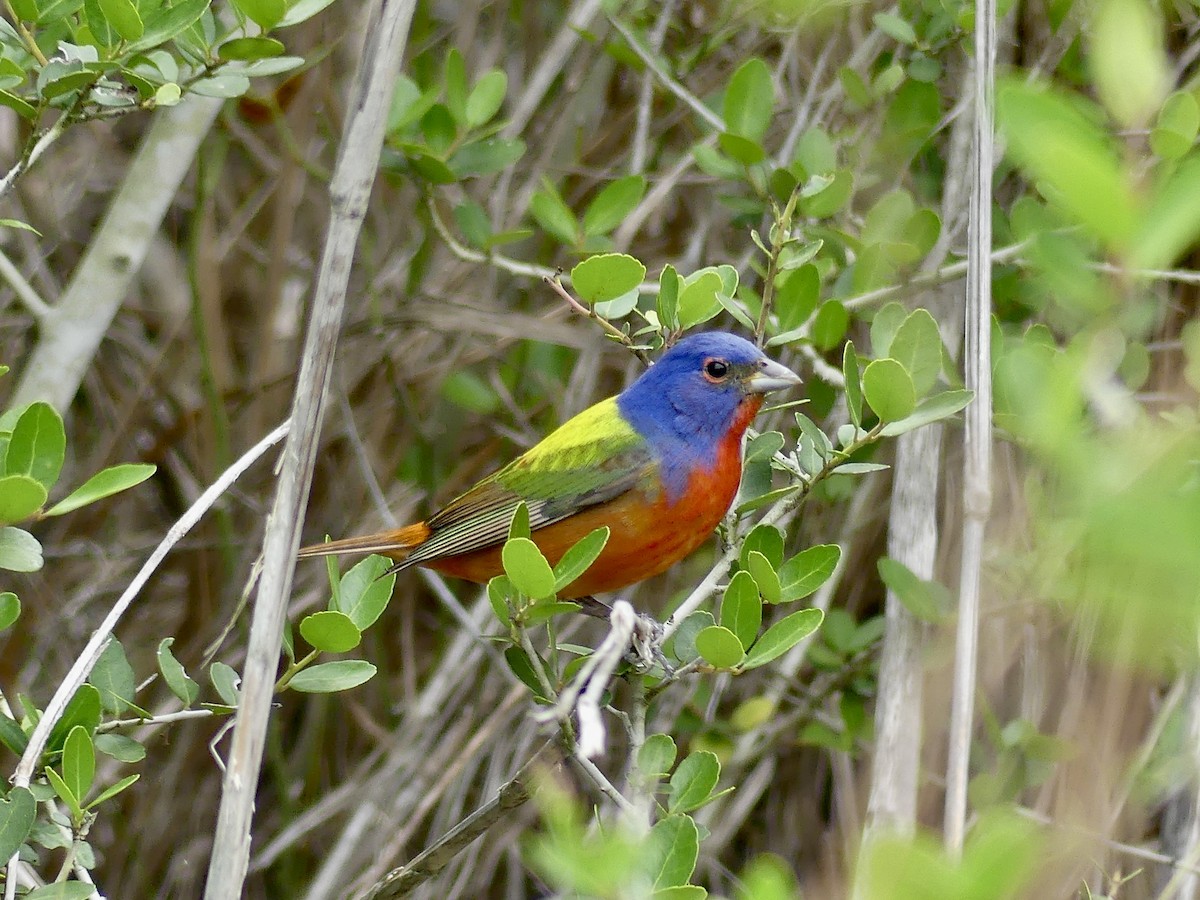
(715, 370)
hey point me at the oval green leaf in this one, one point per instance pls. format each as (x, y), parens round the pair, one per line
(579, 558)
(611, 206)
(249, 48)
(364, 592)
(889, 390)
(10, 609)
(741, 607)
(764, 576)
(720, 647)
(693, 782)
(79, 762)
(808, 570)
(749, 100)
(527, 569)
(17, 814)
(607, 277)
(19, 550)
(672, 848)
(38, 443)
(783, 636)
(657, 755)
(330, 677)
(124, 17)
(103, 484)
(853, 376)
(20, 497)
(917, 345)
(330, 631)
(183, 687)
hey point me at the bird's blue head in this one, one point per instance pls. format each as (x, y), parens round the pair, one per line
(695, 395)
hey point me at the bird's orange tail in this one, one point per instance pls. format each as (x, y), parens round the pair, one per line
(395, 544)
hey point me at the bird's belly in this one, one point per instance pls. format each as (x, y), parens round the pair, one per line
(646, 537)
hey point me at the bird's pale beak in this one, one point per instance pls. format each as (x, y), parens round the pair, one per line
(771, 376)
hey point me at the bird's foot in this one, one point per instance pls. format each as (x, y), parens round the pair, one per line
(645, 646)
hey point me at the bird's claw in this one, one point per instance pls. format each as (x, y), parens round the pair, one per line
(645, 646)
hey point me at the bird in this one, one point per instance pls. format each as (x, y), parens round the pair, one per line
(659, 464)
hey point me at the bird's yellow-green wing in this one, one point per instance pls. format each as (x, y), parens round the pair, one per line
(592, 458)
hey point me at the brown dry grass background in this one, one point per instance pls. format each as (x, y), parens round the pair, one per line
(199, 363)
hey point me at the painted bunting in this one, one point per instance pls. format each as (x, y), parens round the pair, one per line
(659, 464)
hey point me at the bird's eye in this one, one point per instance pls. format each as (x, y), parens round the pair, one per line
(715, 369)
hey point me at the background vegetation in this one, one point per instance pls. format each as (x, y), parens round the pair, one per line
(157, 268)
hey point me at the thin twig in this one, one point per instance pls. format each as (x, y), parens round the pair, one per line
(350, 191)
(609, 328)
(37, 307)
(429, 862)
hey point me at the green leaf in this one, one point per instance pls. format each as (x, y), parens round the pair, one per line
(123, 16)
(168, 94)
(10, 609)
(19, 550)
(672, 848)
(917, 345)
(808, 570)
(261, 68)
(169, 23)
(764, 576)
(64, 793)
(302, 12)
(832, 198)
(20, 497)
(767, 540)
(698, 297)
(657, 755)
(854, 395)
(527, 568)
(610, 207)
(927, 600)
(548, 210)
(330, 632)
(932, 409)
(110, 792)
(38, 445)
(22, 107)
(62, 890)
(485, 157)
(896, 28)
(667, 302)
(1172, 223)
(1175, 130)
(225, 87)
(79, 762)
(685, 635)
(103, 484)
(518, 527)
(1128, 63)
(113, 677)
(226, 681)
(741, 607)
(521, 666)
(830, 324)
(330, 677)
(18, 811)
(83, 709)
(749, 100)
(619, 308)
(783, 636)
(889, 389)
(579, 558)
(741, 149)
(249, 48)
(486, 98)
(26, 10)
(1074, 163)
(364, 592)
(720, 647)
(454, 81)
(266, 14)
(11, 735)
(120, 747)
(680, 892)
(693, 782)
(884, 325)
(183, 687)
(57, 10)
(607, 277)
